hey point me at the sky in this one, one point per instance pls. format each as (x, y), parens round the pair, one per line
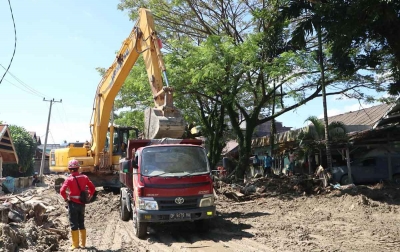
(59, 46)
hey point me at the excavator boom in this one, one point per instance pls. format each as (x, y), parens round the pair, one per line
(164, 120)
(100, 160)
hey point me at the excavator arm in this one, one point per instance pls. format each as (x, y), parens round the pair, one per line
(164, 120)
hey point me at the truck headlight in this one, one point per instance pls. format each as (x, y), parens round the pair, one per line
(148, 204)
(207, 201)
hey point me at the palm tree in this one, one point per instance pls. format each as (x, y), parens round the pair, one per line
(309, 24)
(315, 138)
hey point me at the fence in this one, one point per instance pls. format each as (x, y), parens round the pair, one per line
(12, 184)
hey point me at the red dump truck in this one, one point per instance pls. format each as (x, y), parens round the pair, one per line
(166, 180)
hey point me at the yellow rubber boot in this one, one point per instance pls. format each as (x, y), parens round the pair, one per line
(82, 234)
(75, 239)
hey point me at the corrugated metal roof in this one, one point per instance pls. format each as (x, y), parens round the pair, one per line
(230, 146)
(354, 121)
(391, 117)
(368, 116)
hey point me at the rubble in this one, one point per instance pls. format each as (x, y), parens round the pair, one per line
(271, 187)
(32, 220)
(279, 213)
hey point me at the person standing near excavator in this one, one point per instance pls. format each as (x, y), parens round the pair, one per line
(76, 183)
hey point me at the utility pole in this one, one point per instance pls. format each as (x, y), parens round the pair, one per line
(45, 139)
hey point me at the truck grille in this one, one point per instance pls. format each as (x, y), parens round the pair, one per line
(169, 203)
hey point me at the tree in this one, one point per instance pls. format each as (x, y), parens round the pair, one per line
(25, 147)
(312, 22)
(231, 52)
(374, 26)
(314, 139)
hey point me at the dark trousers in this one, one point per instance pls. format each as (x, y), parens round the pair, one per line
(267, 170)
(76, 215)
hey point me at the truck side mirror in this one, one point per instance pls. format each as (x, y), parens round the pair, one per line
(135, 162)
(125, 166)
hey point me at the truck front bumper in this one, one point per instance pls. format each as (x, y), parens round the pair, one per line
(176, 215)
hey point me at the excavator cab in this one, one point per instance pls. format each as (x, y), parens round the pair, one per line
(120, 139)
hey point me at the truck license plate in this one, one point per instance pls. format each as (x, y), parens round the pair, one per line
(179, 216)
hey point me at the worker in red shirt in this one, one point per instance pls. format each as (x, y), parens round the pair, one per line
(76, 209)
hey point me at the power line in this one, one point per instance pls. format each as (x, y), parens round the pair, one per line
(52, 136)
(31, 89)
(25, 90)
(15, 42)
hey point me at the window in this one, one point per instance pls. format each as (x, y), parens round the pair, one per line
(369, 162)
(174, 160)
(52, 158)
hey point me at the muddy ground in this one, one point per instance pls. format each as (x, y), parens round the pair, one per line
(364, 218)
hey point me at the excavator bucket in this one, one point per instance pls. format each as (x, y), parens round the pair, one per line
(159, 124)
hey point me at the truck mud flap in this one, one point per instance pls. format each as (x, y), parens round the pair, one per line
(125, 196)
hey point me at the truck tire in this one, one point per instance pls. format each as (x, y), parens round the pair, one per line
(139, 228)
(202, 226)
(125, 214)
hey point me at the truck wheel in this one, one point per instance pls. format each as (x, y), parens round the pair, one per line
(124, 210)
(202, 225)
(139, 228)
(396, 179)
(345, 180)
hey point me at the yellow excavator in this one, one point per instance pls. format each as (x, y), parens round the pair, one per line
(100, 158)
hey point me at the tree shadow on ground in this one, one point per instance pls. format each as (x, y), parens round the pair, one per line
(223, 228)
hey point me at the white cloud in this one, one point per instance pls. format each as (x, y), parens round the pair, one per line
(357, 106)
(335, 98)
(331, 112)
(346, 109)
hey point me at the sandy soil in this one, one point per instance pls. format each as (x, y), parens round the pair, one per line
(356, 219)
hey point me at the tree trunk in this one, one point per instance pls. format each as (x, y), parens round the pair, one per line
(244, 150)
(243, 164)
(324, 104)
(273, 129)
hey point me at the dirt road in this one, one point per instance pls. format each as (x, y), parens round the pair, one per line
(357, 220)
(109, 233)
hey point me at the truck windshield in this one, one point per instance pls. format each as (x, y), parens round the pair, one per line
(174, 161)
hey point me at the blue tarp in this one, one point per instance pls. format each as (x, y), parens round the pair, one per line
(9, 184)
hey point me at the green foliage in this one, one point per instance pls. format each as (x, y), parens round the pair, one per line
(225, 57)
(360, 34)
(25, 147)
(314, 138)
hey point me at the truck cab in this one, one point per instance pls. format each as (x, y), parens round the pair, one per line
(166, 182)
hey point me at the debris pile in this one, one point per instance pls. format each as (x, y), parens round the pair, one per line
(271, 187)
(33, 220)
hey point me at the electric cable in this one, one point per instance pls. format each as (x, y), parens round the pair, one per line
(29, 88)
(25, 90)
(15, 42)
